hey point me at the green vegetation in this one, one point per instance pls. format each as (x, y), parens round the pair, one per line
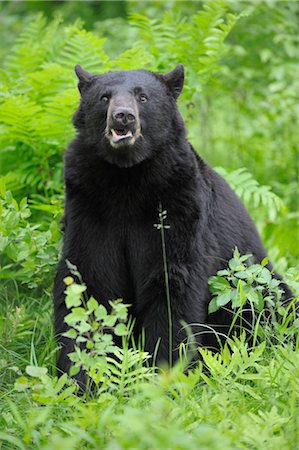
(240, 103)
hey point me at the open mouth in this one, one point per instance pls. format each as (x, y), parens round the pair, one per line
(120, 134)
(121, 137)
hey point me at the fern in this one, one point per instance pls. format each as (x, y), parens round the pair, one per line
(159, 37)
(18, 115)
(134, 58)
(34, 46)
(84, 47)
(125, 370)
(210, 27)
(56, 120)
(251, 192)
(49, 80)
(38, 92)
(198, 42)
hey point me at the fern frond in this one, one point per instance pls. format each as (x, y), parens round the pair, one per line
(51, 79)
(32, 32)
(126, 369)
(39, 97)
(17, 116)
(134, 58)
(34, 46)
(56, 121)
(82, 47)
(159, 37)
(251, 192)
(206, 32)
(198, 42)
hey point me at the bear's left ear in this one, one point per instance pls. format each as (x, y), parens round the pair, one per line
(175, 80)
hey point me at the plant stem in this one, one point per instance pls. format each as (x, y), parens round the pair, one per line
(162, 216)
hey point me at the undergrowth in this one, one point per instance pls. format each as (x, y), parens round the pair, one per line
(245, 396)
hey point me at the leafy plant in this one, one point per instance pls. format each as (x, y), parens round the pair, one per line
(245, 288)
(108, 366)
(47, 390)
(28, 254)
(241, 283)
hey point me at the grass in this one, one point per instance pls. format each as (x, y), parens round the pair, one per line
(241, 398)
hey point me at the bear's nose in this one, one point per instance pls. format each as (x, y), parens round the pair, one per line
(124, 116)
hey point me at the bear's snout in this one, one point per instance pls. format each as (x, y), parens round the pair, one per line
(123, 125)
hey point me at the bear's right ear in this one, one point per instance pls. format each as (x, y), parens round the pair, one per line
(175, 80)
(85, 78)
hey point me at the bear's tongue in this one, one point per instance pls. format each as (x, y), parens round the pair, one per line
(117, 135)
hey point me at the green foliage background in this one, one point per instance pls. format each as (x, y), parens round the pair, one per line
(240, 103)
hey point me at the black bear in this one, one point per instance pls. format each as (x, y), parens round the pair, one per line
(131, 155)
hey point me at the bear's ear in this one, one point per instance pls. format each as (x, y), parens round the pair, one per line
(175, 80)
(85, 78)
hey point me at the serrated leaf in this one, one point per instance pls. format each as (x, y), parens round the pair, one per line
(213, 306)
(100, 312)
(92, 304)
(73, 295)
(72, 334)
(74, 370)
(121, 329)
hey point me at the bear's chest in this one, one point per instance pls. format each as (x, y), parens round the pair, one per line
(115, 232)
(110, 249)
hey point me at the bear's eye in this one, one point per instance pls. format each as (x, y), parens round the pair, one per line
(105, 99)
(143, 98)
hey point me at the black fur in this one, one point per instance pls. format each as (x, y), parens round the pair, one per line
(112, 200)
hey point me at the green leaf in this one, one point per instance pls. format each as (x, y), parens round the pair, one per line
(256, 297)
(12, 220)
(100, 312)
(213, 306)
(242, 274)
(110, 321)
(73, 295)
(218, 283)
(83, 327)
(68, 280)
(36, 372)
(121, 329)
(89, 345)
(4, 240)
(265, 261)
(72, 334)
(21, 384)
(74, 370)
(224, 298)
(92, 304)
(75, 316)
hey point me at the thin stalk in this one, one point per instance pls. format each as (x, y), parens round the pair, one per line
(162, 227)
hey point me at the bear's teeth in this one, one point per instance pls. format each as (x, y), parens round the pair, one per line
(121, 136)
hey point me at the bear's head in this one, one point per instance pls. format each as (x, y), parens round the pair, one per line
(128, 116)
